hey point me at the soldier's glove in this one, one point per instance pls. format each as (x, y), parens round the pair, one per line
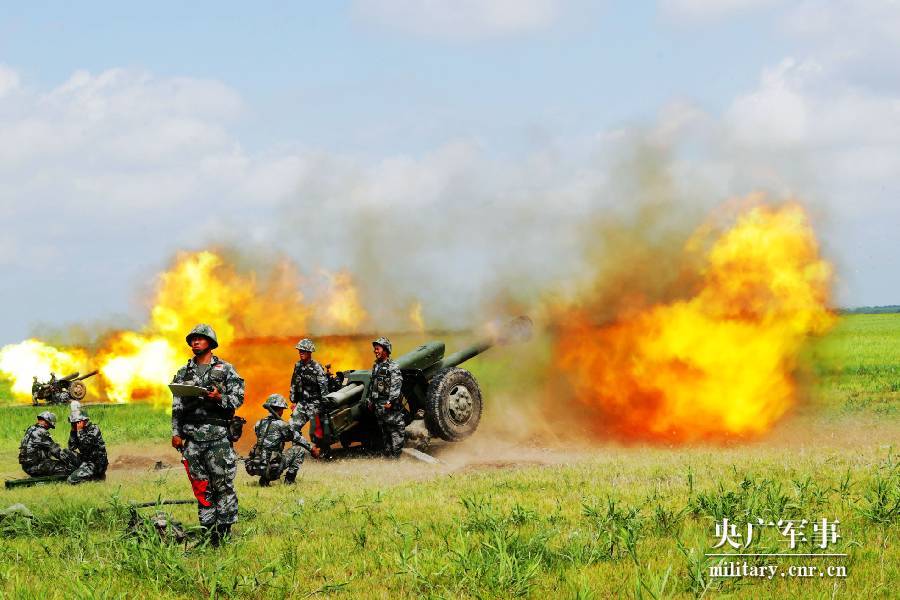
(214, 394)
(177, 442)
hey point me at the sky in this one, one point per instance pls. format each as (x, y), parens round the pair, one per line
(128, 133)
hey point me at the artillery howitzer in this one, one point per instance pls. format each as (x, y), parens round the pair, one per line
(73, 384)
(446, 398)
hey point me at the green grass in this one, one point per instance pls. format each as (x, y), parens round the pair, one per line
(857, 365)
(569, 522)
(120, 423)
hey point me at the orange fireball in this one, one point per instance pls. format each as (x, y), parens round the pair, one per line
(717, 365)
(250, 310)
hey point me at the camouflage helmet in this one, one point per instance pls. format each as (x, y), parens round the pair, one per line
(275, 401)
(207, 332)
(78, 415)
(49, 417)
(306, 345)
(384, 343)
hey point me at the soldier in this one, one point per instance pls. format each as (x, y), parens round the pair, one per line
(309, 385)
(58, 394)
(268, 459)
(35, 390)
(39, 455)
(86, 443)
(200, 430)
(384, 395)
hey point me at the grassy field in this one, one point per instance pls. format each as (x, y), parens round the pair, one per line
(498, 518)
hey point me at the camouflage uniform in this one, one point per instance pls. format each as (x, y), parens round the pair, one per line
(87, 445)
(269, 459)
(384, 388)
(308, 386)
(60, 396)
(40, 456)
(35, 389)
(203, 425)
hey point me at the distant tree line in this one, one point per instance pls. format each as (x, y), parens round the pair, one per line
(870, 310)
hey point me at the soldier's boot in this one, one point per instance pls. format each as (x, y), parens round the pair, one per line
(220, 534)
(290, 478)
(263, 482)
(212, 535)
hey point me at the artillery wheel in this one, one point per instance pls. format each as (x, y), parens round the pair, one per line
(453, 405)
(77, 390)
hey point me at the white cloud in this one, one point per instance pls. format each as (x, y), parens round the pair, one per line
(9, 80)
(702, 11)
(775, 114)
(460, 19)
(124, 140)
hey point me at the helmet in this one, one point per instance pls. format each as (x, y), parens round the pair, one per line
(275, 401)
(207, 332)
(384, 343)
(49, 417)
(78, 415)
(306, 345)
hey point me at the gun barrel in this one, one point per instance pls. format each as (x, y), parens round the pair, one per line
(69, 377)
(517, 330)
(29, 481)
(458, 358)
(85, 376)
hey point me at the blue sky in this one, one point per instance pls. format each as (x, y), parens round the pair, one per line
(135, 132)
(340, 76)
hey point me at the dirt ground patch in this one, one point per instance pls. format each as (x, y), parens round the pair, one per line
(140, 462)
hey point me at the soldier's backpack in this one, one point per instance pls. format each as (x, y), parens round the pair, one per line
(263, 462)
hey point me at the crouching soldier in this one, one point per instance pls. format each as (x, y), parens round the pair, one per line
(268, 459)
(39, 455)
(86, 444)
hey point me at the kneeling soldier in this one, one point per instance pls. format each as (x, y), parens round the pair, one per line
(268, 459)
(86, 443)
(39, 455)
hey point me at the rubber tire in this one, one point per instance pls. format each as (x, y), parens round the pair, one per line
(77, 390)
(437, 415)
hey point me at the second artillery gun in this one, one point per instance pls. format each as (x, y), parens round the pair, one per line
(442, 399)
(51, 391)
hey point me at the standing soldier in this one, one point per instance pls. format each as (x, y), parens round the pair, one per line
(200, 430)
(268, 459)
(308, 385)
(384, 394)
(39, 455)
(35, 390)
(86, 443)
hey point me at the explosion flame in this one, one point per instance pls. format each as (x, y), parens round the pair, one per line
(719, 364)
(249, 311)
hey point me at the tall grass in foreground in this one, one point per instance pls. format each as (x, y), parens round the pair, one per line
(610, 526)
